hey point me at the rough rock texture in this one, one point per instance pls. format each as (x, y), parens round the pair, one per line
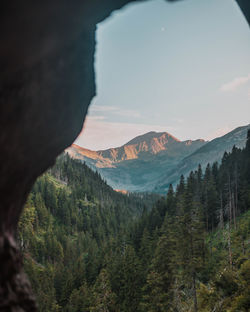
(245, 7)
(15, 290)
(46, 84)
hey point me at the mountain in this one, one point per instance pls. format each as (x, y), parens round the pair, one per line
(142, 147)
(152, 161)
(209, 153)
(138, 164)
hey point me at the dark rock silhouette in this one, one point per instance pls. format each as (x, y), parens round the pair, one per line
(46, 84)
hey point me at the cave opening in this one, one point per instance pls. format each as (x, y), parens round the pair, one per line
(46, 63)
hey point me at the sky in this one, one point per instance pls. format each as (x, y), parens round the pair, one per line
(183, 68)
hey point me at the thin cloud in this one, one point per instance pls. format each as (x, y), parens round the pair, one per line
(96, 117)
(235, 83)
(113, 110)
(128, 113)
(100, 108)
(178, 120)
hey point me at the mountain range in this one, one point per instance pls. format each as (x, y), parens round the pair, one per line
(152, 161)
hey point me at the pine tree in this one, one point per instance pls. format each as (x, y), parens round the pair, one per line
(105, 299)
(190, 240)
(170, 201)
(81, 299)
(130, 279)
(158, 291)
(146, 249)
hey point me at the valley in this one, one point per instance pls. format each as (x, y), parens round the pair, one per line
(89, 248)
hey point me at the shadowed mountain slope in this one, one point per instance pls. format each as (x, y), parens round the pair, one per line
(152, 161)
(209, 153)
(138, 164)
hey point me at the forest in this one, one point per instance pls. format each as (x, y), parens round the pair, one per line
(87, 248)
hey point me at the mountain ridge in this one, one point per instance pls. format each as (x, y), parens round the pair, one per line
(152, 161)
(211, 152)
(136, 164)
(151, 142)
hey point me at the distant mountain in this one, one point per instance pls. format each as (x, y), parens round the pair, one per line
(141, 147)
(152, 161)
(138, 164)
(209, 153)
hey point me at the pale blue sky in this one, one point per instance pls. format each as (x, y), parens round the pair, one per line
(182, 68)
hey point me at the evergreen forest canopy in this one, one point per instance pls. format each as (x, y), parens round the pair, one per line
(88, 248)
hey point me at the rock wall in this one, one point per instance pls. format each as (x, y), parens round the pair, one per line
(46, 84)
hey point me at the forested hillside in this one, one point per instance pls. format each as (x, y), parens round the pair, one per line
(68, 221)
(87, 248)
(195, 243)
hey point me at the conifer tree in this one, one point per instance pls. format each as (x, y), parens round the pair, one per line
(190, 240)
(158, 291)
(81, 299)
(130, 280)
(105, 299)
(170, 201)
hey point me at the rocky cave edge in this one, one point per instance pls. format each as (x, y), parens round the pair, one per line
(46, 85)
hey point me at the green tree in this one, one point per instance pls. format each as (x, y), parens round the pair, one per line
(158, 291)
(105, 299)
(80, 299)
